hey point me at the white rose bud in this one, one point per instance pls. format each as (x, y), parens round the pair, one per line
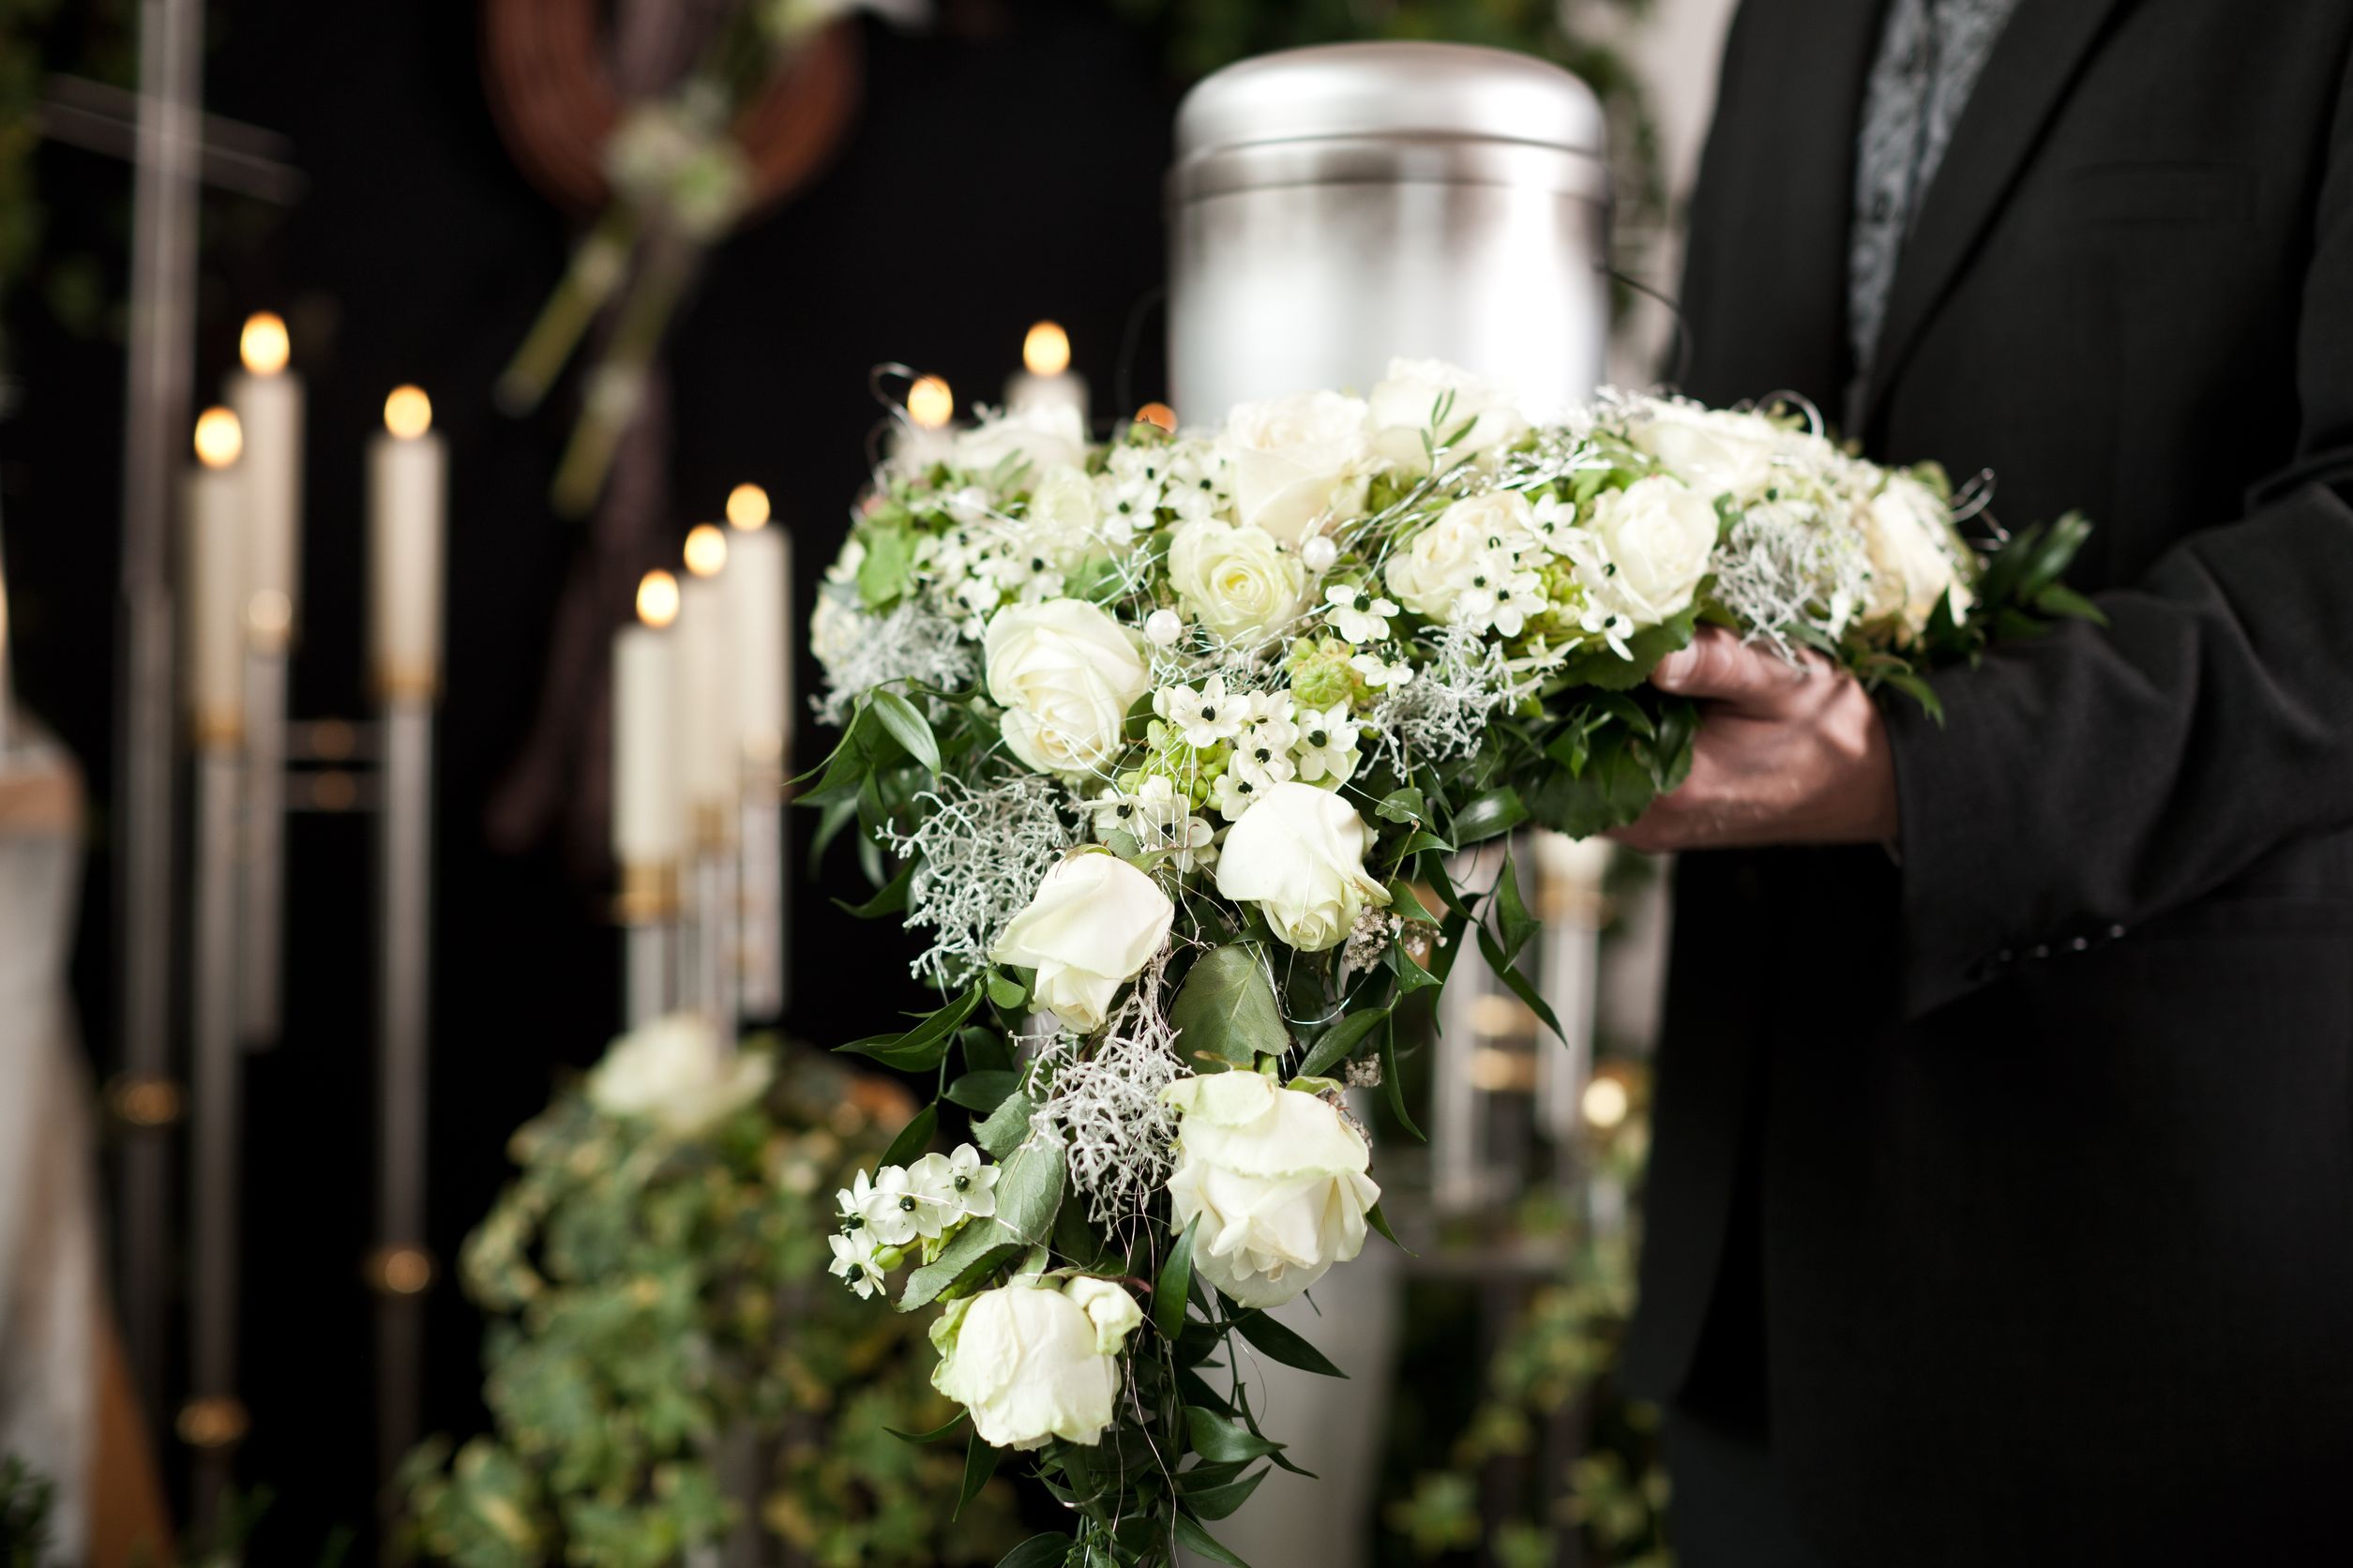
(1402, 406)
(1032, 1363)
(1437, 565)
(1095, 922)
(1047, 436)
(1277, 1179)
(1659, 535)
(1916, 555)
(1237, 581)
(1299, 462)
(1066, 674)
(675, 1073)
(1299, 854)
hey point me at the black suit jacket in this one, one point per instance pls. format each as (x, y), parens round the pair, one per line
(2033, 1152)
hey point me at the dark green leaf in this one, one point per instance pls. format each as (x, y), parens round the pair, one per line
(892, 897)
(1379, 1222)
(983, 1244)
(1511, 914)
(1198, 1540)
(1225, 1013)
(905, 724)
(1006, 992)
(1400, 806)
(1218, 1502)
(980, 1463)
(914, 1138)
(1174, 1284)
(932, 1436)
(1491, 815)
(1217, 1441)
(923, 1047)
(1340, 1039)
(1039, 1551)
(984, 1092)
(1520, 986)
(1281, 1344)
(1391, 1082)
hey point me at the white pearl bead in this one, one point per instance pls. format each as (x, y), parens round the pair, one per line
(1162, 627)
(1320, 553)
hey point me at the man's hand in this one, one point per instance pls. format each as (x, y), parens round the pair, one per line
(1786, 754)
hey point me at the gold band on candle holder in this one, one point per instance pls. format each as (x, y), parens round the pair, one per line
(713, 826)
(144, 1100)
(648, 895)
(408, 682)
(217, 732)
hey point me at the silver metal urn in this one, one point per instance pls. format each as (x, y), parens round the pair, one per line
(1331, 208)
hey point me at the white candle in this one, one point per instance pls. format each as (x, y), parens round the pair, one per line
(407, 506)
(267, 400)
(760, 584)
(648, 821)
(707, 749)
(1045, 378)
(923, 438)
(217, 574)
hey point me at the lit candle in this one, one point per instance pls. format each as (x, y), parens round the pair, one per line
(407, 504)
(266, 398)
(922, 438)
(648, 822)
(759, 586)
(217, 579)
(707, 751)
(1045, 378)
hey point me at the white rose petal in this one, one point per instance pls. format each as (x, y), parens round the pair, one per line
(1445, 560)
(1300, 462)
(1657, 536)
(676, 1073)
(1066, 674)
(1713, 450)
(1299, 854)
(1915, 555)
(1237, 581)
(1029, 1362)
(1276, 1178)
(1094, 924)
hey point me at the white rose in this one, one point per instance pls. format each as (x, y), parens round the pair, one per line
(1237, 581)
(1066, 674)
(1048, 435)
(675, 1073)
(1277, 1179)
(1440, 563)
(1659, 535)
(1094, 924)
(1713, 450)
(1299, 462)
(1402, 406)
(1915, 555)
(837, 630)
(1032, 1363)
(1299, 854)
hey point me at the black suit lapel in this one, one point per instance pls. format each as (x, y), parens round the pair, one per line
(2038, 58)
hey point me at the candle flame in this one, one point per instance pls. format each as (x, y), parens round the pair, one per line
(1604, 1102)
(263, 344)
(747, 507)
(269, 613)
(930, 403)
(1046, 352)
(658, 600)
(1157, 414)
(706, 549)
(219, 439)
(408, 412)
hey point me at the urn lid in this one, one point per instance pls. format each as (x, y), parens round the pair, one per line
(1406, 91)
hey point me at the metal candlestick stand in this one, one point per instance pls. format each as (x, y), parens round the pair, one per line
(647, 910)
(214, 1420)
(262, 838)
(764, 911)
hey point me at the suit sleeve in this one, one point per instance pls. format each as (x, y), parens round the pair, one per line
(2099, 776)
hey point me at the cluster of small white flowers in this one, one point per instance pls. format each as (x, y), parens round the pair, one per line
(1442, 712)
(1159, 820)
(1108, 1107)
(912, 643)
(1189, 478)
(981, 852)
(1367, 941)
(1781, 568)
(899, 1206)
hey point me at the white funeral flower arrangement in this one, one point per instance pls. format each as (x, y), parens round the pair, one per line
(678, 1074)
(1173, 739)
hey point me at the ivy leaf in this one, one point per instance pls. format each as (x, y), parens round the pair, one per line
(1340, 1039)
(1281, 1343)
(905, 724)
(1006, 1126)
(983, 1091)
(1225, 1013)
(1174, 1285)
(913, 1139)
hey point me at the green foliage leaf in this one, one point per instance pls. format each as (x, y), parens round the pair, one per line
(904, 723)
(1400, 806)
(1341, 1039)
(890, 899)
(1379, 1222)
(1517, 924)
(1391, 1083)
(1029, 1189)
(1006, 1126)
(1039, 1551)
(1225, 1013)
(1195, 1538)
(1279, 1343)
(1218, 1439)
(1174, 1284)
(1007, 991)
(914, 1138)
(982, 1245)
(1219, 1503)
(980, 1463)
(923, 1047)
(931, 1437)
(1490, 816)
(982, 1093)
